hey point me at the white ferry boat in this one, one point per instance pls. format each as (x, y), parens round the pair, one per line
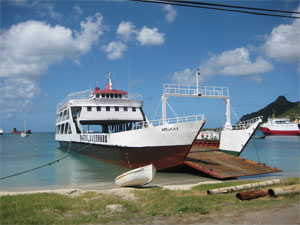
(124, 135)
(280, 126)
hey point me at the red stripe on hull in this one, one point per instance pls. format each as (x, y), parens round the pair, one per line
(267, 131)
(162, 157)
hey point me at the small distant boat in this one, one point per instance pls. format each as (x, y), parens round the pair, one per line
(137, 177)
(280, 126)
(24, 133)
(1, 132)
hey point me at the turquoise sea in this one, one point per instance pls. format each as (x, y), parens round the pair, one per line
(78, 171)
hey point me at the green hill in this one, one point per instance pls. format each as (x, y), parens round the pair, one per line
(282, 108)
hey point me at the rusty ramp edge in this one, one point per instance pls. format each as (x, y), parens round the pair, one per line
(224, 166)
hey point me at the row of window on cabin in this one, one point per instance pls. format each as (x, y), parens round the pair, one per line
(108, 108)
(64, 128)
(282, 125)
(108, 95)
(64, 115)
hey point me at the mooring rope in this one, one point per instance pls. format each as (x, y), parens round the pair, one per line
(47, 164)
(256, 151)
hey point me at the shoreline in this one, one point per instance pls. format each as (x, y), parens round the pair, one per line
(157, 182)
(109, 190)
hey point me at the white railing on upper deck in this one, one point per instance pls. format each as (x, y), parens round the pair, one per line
(132, 96)
(75, 95)
(154, 123)
(247, 123)
(104, 138)
(206, 91)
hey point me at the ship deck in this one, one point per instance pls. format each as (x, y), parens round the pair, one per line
(224, 166)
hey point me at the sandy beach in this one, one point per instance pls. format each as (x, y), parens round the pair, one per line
(122, 192)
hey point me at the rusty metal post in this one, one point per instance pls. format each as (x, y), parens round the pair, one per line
(244, 186)
(274, 192)
(247, 195)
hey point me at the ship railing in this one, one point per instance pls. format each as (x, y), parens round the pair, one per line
(206, 91)
(103, 138)
(168, 121)
(94, 138)
(247, 123)
(74, 95)
(131, 96)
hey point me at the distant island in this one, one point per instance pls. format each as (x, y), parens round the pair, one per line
(281, 107)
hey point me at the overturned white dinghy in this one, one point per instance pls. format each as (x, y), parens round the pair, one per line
(137, 177)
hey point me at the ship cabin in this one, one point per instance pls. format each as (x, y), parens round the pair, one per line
(99, 111)
(279, 120)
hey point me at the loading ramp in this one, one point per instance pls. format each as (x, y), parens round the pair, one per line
(224, 166)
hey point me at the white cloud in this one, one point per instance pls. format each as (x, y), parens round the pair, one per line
(125, 30)
(147, 36)
(75, 13)
(187, 76)
(51, 11)
(19, 88)
(19, 3)
(29, 48)
(231, 63)
(283, 44)
(171, 13)
(77, 9)
(115, 50)
(256, 79)
(235, 63)
(16, 95)
(43, 8)
(91, 30)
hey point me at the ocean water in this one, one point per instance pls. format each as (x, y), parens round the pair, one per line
(78, 171)
(282, 152)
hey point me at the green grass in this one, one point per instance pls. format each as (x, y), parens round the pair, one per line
(90, 207)
(61, 209)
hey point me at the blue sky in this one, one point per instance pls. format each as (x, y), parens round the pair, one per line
(51, 48)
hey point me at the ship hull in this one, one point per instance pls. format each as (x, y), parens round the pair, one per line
(162, 157)
(234, 141)
(267, 131)
(164, 146)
